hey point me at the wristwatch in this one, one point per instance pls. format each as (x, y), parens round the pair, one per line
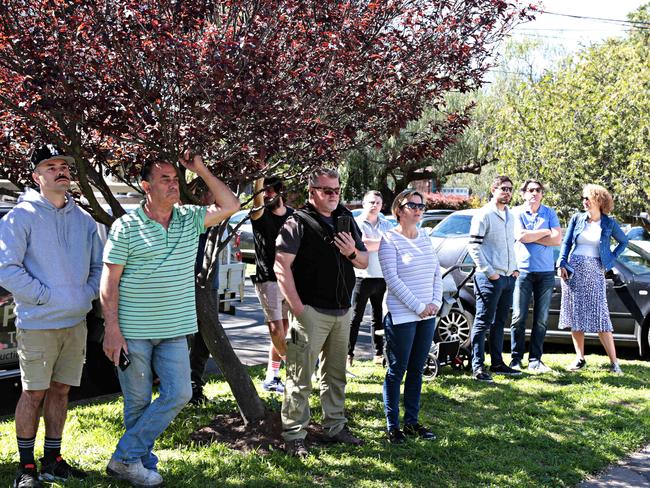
(353, 255)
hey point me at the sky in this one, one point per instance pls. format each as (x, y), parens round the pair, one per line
(570, 34)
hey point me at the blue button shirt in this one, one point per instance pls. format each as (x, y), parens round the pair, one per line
(533, 257)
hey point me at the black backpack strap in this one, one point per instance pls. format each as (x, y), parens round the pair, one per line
(313, 224)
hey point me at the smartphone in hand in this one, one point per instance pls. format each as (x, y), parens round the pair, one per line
(124, 360)
(343, 223)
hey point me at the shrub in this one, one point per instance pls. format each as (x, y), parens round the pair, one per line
(444, 201)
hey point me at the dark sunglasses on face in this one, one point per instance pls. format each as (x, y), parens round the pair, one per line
(536, 189)
(327, 190)
(506, 189)
(414, 206)
(585, 198)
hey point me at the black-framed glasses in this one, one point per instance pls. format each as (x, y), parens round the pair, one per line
(328, 190)
(506, 189)
(414, 206)
(585, 198)
(535, 189)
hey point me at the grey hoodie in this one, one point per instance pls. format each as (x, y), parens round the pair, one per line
(50, 260)
(492, 241)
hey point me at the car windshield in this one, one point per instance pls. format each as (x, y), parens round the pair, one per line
(637, 262)
(453, 226)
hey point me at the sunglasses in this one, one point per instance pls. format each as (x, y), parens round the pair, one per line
(414, 206)
(585, 198)
(328, 190)
(536, 189)
(506, 189)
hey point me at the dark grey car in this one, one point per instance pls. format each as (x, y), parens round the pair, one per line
(628, 290)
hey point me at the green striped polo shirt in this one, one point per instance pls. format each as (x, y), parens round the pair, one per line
(157, 284)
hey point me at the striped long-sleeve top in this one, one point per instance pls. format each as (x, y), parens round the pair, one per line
(412, 273)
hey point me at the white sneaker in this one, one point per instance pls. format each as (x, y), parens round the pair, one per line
(538, 367)
(615, 368)
(135, 473)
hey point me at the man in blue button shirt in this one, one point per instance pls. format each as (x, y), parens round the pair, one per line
(537, 229)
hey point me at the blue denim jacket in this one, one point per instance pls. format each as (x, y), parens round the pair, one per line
(609, 228)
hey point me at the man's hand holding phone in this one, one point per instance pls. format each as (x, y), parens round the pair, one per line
(343, 239)
(114, 344)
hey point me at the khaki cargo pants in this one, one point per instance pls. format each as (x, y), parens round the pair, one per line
(315, 335)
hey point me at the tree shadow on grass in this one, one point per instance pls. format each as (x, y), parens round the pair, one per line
(550, 433)
(541, 430)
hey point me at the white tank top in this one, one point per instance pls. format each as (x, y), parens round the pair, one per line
(589, 240)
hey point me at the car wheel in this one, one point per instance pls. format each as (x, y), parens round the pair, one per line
(456, 326)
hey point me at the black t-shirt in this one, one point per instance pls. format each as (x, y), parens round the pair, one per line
(265, 231)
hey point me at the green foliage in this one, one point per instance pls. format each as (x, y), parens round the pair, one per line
(584, 122)
(450, 138)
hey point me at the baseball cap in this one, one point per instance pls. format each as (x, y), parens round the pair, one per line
(46, 153)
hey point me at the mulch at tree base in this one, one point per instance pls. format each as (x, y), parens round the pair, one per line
(263, 436)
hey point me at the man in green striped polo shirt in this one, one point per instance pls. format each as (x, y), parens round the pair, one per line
(147, 293)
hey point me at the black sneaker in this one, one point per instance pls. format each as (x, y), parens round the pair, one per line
(296, 448)
(482, 375)
(197, 396)
(420, 431)
(503, 369)
(578, 364)
(27, 477)
(57, 469)
(396, 436)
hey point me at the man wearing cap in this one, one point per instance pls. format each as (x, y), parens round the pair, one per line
(148, 300)
(50, 260)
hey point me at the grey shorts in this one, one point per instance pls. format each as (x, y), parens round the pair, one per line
(274, 305)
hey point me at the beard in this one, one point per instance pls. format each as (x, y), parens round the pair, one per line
(273, 204)
(505, 199)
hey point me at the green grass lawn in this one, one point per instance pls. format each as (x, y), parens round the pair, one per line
(544, 430)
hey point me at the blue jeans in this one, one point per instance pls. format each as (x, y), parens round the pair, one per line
(493, 302)
(145, 420)
(539, 285)
(407, 348)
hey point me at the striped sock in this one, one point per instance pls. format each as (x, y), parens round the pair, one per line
(273, 370)
(26, 450)
(275, 366)
(52, 447)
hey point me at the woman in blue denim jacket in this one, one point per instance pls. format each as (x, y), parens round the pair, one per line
(585, 256)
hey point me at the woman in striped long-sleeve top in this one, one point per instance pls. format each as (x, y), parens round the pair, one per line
(413, 297)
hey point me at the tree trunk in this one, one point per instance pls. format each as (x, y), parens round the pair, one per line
(250, 405)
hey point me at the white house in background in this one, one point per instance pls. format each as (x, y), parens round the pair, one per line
(456, 191)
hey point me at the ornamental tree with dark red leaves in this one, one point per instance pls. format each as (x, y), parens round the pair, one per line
(258, 87)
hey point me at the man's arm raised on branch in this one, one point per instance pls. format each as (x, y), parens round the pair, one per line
(225, 202)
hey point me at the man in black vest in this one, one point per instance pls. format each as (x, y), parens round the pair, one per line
(314, 267)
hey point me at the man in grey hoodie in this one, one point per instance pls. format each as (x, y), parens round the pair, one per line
(492, 247)
(51, 261)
